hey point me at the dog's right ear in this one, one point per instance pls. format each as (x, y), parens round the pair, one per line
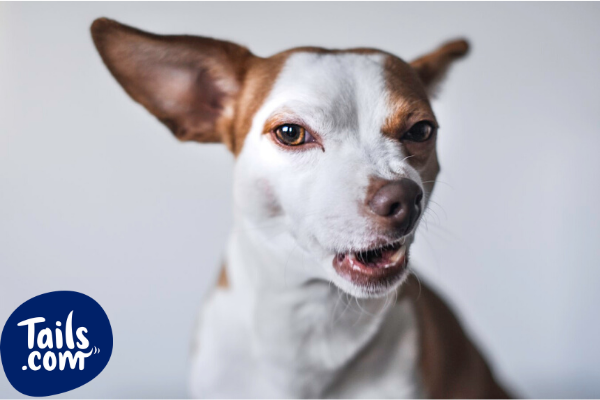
(189, 83)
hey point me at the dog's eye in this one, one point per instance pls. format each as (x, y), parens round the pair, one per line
(292, 135)
(419, 132)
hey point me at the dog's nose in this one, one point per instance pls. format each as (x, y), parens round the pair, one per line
(399, 202)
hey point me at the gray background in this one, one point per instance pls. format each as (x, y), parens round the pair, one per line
(96, 196)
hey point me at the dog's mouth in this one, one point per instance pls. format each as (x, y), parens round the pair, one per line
(382, 265)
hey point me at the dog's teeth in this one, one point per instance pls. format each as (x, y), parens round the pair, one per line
(353, 262)
(352, 259)
(398, 255)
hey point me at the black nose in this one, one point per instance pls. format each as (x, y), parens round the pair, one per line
(399, 202)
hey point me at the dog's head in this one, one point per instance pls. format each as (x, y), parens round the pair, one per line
(337, 144)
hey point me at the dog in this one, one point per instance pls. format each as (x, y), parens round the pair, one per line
(335, 163)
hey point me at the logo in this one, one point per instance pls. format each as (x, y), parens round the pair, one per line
(55, 342)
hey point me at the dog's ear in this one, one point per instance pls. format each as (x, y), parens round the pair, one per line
(432, 67)
(189, 83)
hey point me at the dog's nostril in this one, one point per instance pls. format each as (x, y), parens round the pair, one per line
(395, 208)
(418, 199)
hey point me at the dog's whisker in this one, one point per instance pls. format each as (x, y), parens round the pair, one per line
(428, 213)
(344, 310)
(359, 312)
(340, 293)
(438, 181)
(439, 206)
(407, 157)
(414, 273)
(432, 211)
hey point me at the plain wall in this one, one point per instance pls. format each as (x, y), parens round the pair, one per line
(97, 196)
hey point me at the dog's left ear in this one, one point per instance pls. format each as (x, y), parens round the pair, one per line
(432, 67)
(189, 83)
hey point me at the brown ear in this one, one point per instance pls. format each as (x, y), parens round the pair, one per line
(432, 67)
(189, 83)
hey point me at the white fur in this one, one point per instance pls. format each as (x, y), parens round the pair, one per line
(289, 325)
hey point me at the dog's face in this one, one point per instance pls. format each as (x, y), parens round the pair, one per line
(337, 145)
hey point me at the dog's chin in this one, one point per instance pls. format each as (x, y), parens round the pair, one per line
(374, 272)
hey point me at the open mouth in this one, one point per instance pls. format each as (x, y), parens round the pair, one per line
(382, 265)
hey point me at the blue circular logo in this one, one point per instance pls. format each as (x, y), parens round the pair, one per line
(55, 342)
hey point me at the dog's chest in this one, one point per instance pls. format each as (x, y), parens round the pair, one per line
(290, 349)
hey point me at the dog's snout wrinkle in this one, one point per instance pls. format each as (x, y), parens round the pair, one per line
(397, 204)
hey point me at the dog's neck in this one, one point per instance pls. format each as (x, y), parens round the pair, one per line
(302, 327)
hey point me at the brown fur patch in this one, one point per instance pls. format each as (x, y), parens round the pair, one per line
(259, 80)
(407, 97)
(451, 366)
(408, 100)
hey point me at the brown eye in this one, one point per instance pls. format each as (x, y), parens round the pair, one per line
(291, 134)
(419, 132)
